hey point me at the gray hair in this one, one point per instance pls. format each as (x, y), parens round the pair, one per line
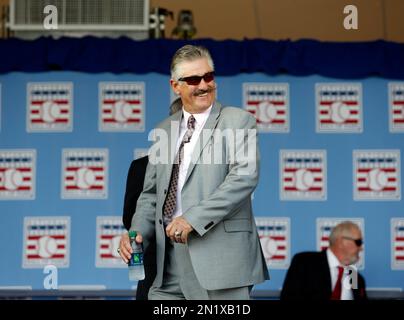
(188, 53)
(342, 229)
(175, 106)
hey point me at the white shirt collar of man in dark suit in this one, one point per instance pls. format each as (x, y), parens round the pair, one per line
(333, 263)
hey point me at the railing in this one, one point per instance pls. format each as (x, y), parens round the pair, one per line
(81, 15)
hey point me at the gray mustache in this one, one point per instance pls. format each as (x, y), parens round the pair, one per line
(210, 89)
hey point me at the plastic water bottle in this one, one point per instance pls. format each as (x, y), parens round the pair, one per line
(135, 264)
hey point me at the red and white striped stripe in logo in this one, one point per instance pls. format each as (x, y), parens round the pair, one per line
(377, 174)
(46, 246)
(17, 174)
(269, 103)
(339, 107)
(85, 173)
(396, 99)
(46, 241)
(121, 106)
(109, 231)
(397, 239)
(274, 237)
(50, 106)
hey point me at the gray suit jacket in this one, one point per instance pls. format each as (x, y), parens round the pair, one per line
(224, 248)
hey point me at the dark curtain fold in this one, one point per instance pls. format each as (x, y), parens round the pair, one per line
(348, 60)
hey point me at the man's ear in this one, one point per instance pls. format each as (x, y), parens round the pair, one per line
(174, 85)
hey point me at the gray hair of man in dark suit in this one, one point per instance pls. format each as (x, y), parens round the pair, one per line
(342, 229)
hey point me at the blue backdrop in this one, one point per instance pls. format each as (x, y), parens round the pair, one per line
(381, 233)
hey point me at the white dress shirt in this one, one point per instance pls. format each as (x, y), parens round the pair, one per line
(333, 263)
(200, 120)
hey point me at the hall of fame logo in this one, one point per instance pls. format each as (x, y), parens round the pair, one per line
(84, 174)
(377, 175)
(396, 107)
(49, 106)
(303, 175)
(17, 174)
(109, 231)
(274, 234)
(397, 243)
(122, 106)
(269, 103)
(46, 241)
(324, 228)
(339, 107)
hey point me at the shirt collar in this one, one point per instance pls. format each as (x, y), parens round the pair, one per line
(333, 261)
(200, 118)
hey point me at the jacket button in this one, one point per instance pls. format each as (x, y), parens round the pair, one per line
(165, 191)
(160, 221)
(209, 225)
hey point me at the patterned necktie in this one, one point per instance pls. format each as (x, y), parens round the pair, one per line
(336, 294)
(171, 200)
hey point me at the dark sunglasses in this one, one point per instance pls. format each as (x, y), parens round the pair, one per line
(195, 80)
(358, 242)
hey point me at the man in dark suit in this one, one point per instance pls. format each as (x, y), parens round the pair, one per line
(134, 187)
(330, 274)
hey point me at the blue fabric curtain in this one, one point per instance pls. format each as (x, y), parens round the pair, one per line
(346, 60)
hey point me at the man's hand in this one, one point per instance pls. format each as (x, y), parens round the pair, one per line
(125, 250)
(178, 230)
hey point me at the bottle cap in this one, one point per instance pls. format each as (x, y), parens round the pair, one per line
(132, 234)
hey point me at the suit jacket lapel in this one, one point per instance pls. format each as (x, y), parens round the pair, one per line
(206, 133)
(173, 132)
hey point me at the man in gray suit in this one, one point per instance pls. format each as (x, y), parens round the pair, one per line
(196, 198)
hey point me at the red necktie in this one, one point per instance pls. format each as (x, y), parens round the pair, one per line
(336, 293)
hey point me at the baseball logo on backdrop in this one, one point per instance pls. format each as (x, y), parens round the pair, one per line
(109, 231)
(339, 107)
(84, 173)
(122, 106)
(396, 107)
(49, 106)
(46, 241)
(377, 175)
(324, 228)
(303, 175)
(269, 103)
(397, 243)
(17, 174)
(274, 234)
